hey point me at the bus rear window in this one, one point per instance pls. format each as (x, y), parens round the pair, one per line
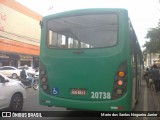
(86, 31)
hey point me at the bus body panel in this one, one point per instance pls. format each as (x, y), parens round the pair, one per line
(92, 74)
(95, 74)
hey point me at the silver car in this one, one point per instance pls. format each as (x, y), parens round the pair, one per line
(10, 71)
(12, 94)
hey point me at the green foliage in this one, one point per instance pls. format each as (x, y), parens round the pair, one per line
(153, 46)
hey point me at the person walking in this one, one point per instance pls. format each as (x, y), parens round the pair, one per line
(155, 76)
(146, 77)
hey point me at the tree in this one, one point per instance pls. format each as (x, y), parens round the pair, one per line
(153, 46)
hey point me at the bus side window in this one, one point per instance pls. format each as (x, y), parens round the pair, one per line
(50, 38)
(63, 42)
(56, 40)
(75, 43)
(53, 40)
(70, 43)
(132, 46)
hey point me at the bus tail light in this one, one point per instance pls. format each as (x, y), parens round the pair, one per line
(44, 83)
(119, 91)
(120, 83)
(121, 73)
(44, 87)
(44, 79)
(42, 72)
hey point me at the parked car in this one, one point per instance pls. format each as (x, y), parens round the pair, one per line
(10, 71)
(29, 70)
(12, 94)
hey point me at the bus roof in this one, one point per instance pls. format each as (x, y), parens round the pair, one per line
(85, 11)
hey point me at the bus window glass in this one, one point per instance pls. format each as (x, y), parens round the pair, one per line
(50, 38)
(87, 31)
(70, 43)
(54, 39)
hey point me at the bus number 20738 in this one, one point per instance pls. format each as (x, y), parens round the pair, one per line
(100, 95)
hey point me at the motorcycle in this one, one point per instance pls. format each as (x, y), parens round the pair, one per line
(27, 83)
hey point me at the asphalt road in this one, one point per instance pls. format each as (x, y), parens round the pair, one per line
(32, 102)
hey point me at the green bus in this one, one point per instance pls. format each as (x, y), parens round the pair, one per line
(90, 59)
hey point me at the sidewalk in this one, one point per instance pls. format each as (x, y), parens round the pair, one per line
(150, 97)
(156, 97)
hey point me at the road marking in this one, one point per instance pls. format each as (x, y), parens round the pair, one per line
(145, 104)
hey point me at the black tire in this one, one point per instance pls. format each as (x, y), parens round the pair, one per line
(16, 103)
(14, 76)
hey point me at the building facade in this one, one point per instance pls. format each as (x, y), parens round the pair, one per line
(153, 59)
(19, 35)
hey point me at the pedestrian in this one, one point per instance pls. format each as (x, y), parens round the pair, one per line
(146, 76)
(23, 74)
(155, 76)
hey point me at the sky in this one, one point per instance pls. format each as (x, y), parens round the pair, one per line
(144, 14)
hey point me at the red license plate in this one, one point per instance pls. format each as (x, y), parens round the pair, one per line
(78, 92)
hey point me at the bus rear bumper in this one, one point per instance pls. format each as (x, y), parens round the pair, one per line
(109, 105)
